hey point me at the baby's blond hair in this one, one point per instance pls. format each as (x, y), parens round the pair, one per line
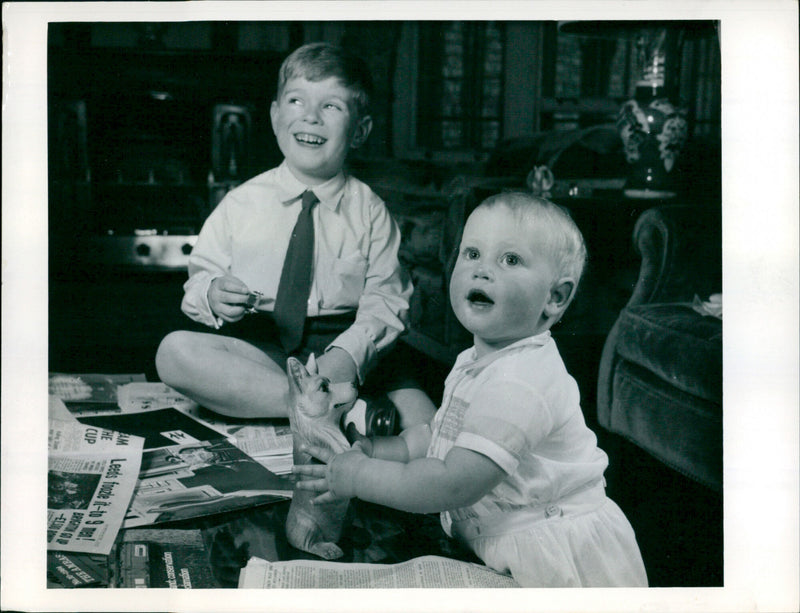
(563, 240)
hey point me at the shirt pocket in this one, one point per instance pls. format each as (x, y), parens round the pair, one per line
(343, 285)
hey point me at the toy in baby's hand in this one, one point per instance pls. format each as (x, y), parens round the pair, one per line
(315, 411)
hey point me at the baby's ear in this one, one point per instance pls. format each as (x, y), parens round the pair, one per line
(361, 132)
(561, 295)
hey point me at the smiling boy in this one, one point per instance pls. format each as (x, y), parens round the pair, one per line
(357, 302)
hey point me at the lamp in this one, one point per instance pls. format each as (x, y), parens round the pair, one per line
(653, 123)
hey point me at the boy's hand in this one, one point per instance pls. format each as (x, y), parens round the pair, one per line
(336, 478)
(337, 365)
(227, 297)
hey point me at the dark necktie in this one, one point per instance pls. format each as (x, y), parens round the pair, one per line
(291, 302)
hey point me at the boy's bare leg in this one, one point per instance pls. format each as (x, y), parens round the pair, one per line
(224, 374)
(413, 407)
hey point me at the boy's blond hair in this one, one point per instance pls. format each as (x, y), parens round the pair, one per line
(319, 61)
(563, 240)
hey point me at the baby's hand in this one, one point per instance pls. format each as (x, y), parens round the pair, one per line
(227, 297)
(335, 479)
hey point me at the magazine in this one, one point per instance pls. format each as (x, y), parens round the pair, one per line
(422, 572)
(198, 479)
(91, 475)
(176, 559)
(72, 570)
(90, 394)
(159, 428)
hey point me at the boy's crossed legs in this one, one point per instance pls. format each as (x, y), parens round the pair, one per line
(245, 379)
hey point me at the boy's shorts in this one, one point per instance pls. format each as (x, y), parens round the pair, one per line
(391, 372)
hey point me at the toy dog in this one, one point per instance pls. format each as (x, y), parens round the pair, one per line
(316, 407)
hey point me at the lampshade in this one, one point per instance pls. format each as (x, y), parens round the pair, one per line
(652, 124)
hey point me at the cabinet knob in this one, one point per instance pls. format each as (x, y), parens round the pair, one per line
(142, 249)
(186, 248)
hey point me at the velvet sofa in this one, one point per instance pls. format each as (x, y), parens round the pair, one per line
(660, 374)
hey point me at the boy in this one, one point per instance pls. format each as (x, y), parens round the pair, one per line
(508, 460)
(251, 282)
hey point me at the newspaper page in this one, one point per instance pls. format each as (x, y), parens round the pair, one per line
(91, 476)
(140, 396)
(268, 441)
(56, 409)
(199, 479)
(422, 572)
(269, 444)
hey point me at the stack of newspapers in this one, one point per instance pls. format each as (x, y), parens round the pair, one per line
(126, 453)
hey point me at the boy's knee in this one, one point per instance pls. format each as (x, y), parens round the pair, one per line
(170, 353)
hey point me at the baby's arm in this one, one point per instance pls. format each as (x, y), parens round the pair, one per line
(424, 485)
(410, 444)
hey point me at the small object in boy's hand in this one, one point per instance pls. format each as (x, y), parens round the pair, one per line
(252, 301)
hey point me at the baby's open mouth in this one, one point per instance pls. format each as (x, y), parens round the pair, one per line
(479, 298)
(309, 139)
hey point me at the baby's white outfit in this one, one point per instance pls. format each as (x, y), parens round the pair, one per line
(549, 523)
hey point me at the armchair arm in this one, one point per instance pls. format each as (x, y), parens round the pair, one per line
(681, 249)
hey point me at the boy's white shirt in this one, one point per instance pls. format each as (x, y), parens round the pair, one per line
(355, 260)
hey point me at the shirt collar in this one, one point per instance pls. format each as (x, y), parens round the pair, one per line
(469, 363)
(291, 188)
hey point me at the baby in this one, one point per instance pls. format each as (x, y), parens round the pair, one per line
(508, 460)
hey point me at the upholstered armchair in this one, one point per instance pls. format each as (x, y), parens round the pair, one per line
(660, 375)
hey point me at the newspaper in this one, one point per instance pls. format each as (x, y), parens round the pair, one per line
(56, 409)
(268, 441)
(269, 444)
(198, 479)
(140, 396)
(91, 476)
(422, 572)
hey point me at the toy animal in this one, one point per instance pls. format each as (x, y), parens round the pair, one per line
(315, 410)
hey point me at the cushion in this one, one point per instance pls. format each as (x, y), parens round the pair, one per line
(676, 344)
(681, 430)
